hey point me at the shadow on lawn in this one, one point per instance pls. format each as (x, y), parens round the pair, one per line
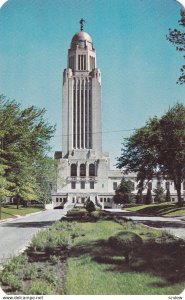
(165, 260)
(159, 210)
(28, 224)
(84, 217)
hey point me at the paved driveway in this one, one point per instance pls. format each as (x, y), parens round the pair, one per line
(16, 234)
(175, 226)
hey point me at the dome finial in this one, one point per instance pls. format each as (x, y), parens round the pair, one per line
(82, 21)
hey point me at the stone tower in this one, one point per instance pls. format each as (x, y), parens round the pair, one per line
(81, 116)
(83, 169)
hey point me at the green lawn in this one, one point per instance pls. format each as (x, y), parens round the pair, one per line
(94, 269)
(162, 209)
(74, 257)
(11, 211)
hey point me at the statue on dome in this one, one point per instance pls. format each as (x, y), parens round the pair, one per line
(82, 21)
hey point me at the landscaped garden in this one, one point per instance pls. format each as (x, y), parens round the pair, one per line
(162, 209)
(97, 254)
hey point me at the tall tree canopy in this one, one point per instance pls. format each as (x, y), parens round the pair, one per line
(157, 149)
(24, 136)
(177, 38)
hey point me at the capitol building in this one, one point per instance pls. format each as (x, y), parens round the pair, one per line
(83, 167)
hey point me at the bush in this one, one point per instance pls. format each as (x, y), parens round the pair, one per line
(11, 280)
(40, 288)
(32, 271)
(51, 238)
(125, 242)
(15, 263)
(49, 276)
(90, 207)
(54, 259)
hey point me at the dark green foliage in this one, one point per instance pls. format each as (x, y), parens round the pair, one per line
(168, 196)
(90, 207)
(24, 137)
(125, 242)
(159, 194)
(148, 198)
(177, 38)
(139, 197)
(124, 192)
(157, 149)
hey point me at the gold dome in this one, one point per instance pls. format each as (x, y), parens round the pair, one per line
(81, 39)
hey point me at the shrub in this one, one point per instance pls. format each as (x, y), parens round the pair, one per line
(40, 288)
(51, 238)
(49, 276)
(125, 242)
(15, 263)
(32, 271)
(11, 280)
(54, 259)
(90, 207)
(60, 225)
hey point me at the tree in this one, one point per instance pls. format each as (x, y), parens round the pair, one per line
(171, 148)
(25, 135)
(90, 207)
(158, 148)
(45, 174)
(168, 196)
(148, 198)
(159, 194)
(177, 38)
(139, 154)
(124, 192)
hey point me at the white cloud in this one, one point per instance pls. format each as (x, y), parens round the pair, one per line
(2, 2)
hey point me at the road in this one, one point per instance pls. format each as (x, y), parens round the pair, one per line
(174, 225)
(16, 234)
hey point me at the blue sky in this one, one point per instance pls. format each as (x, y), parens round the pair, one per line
(139, 67)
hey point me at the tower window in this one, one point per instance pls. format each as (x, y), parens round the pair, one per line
(115, 185)
(78, 119)
(90, 120)
(82, 170)
(81, 62)
(92, 170)
(74, 118)
(73, 185)
(82, 185)
(91, 185)
(73, 170)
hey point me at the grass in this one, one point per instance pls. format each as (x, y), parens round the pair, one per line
(95, 269)
(163, 209)
(11, 211)
(91, 267)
